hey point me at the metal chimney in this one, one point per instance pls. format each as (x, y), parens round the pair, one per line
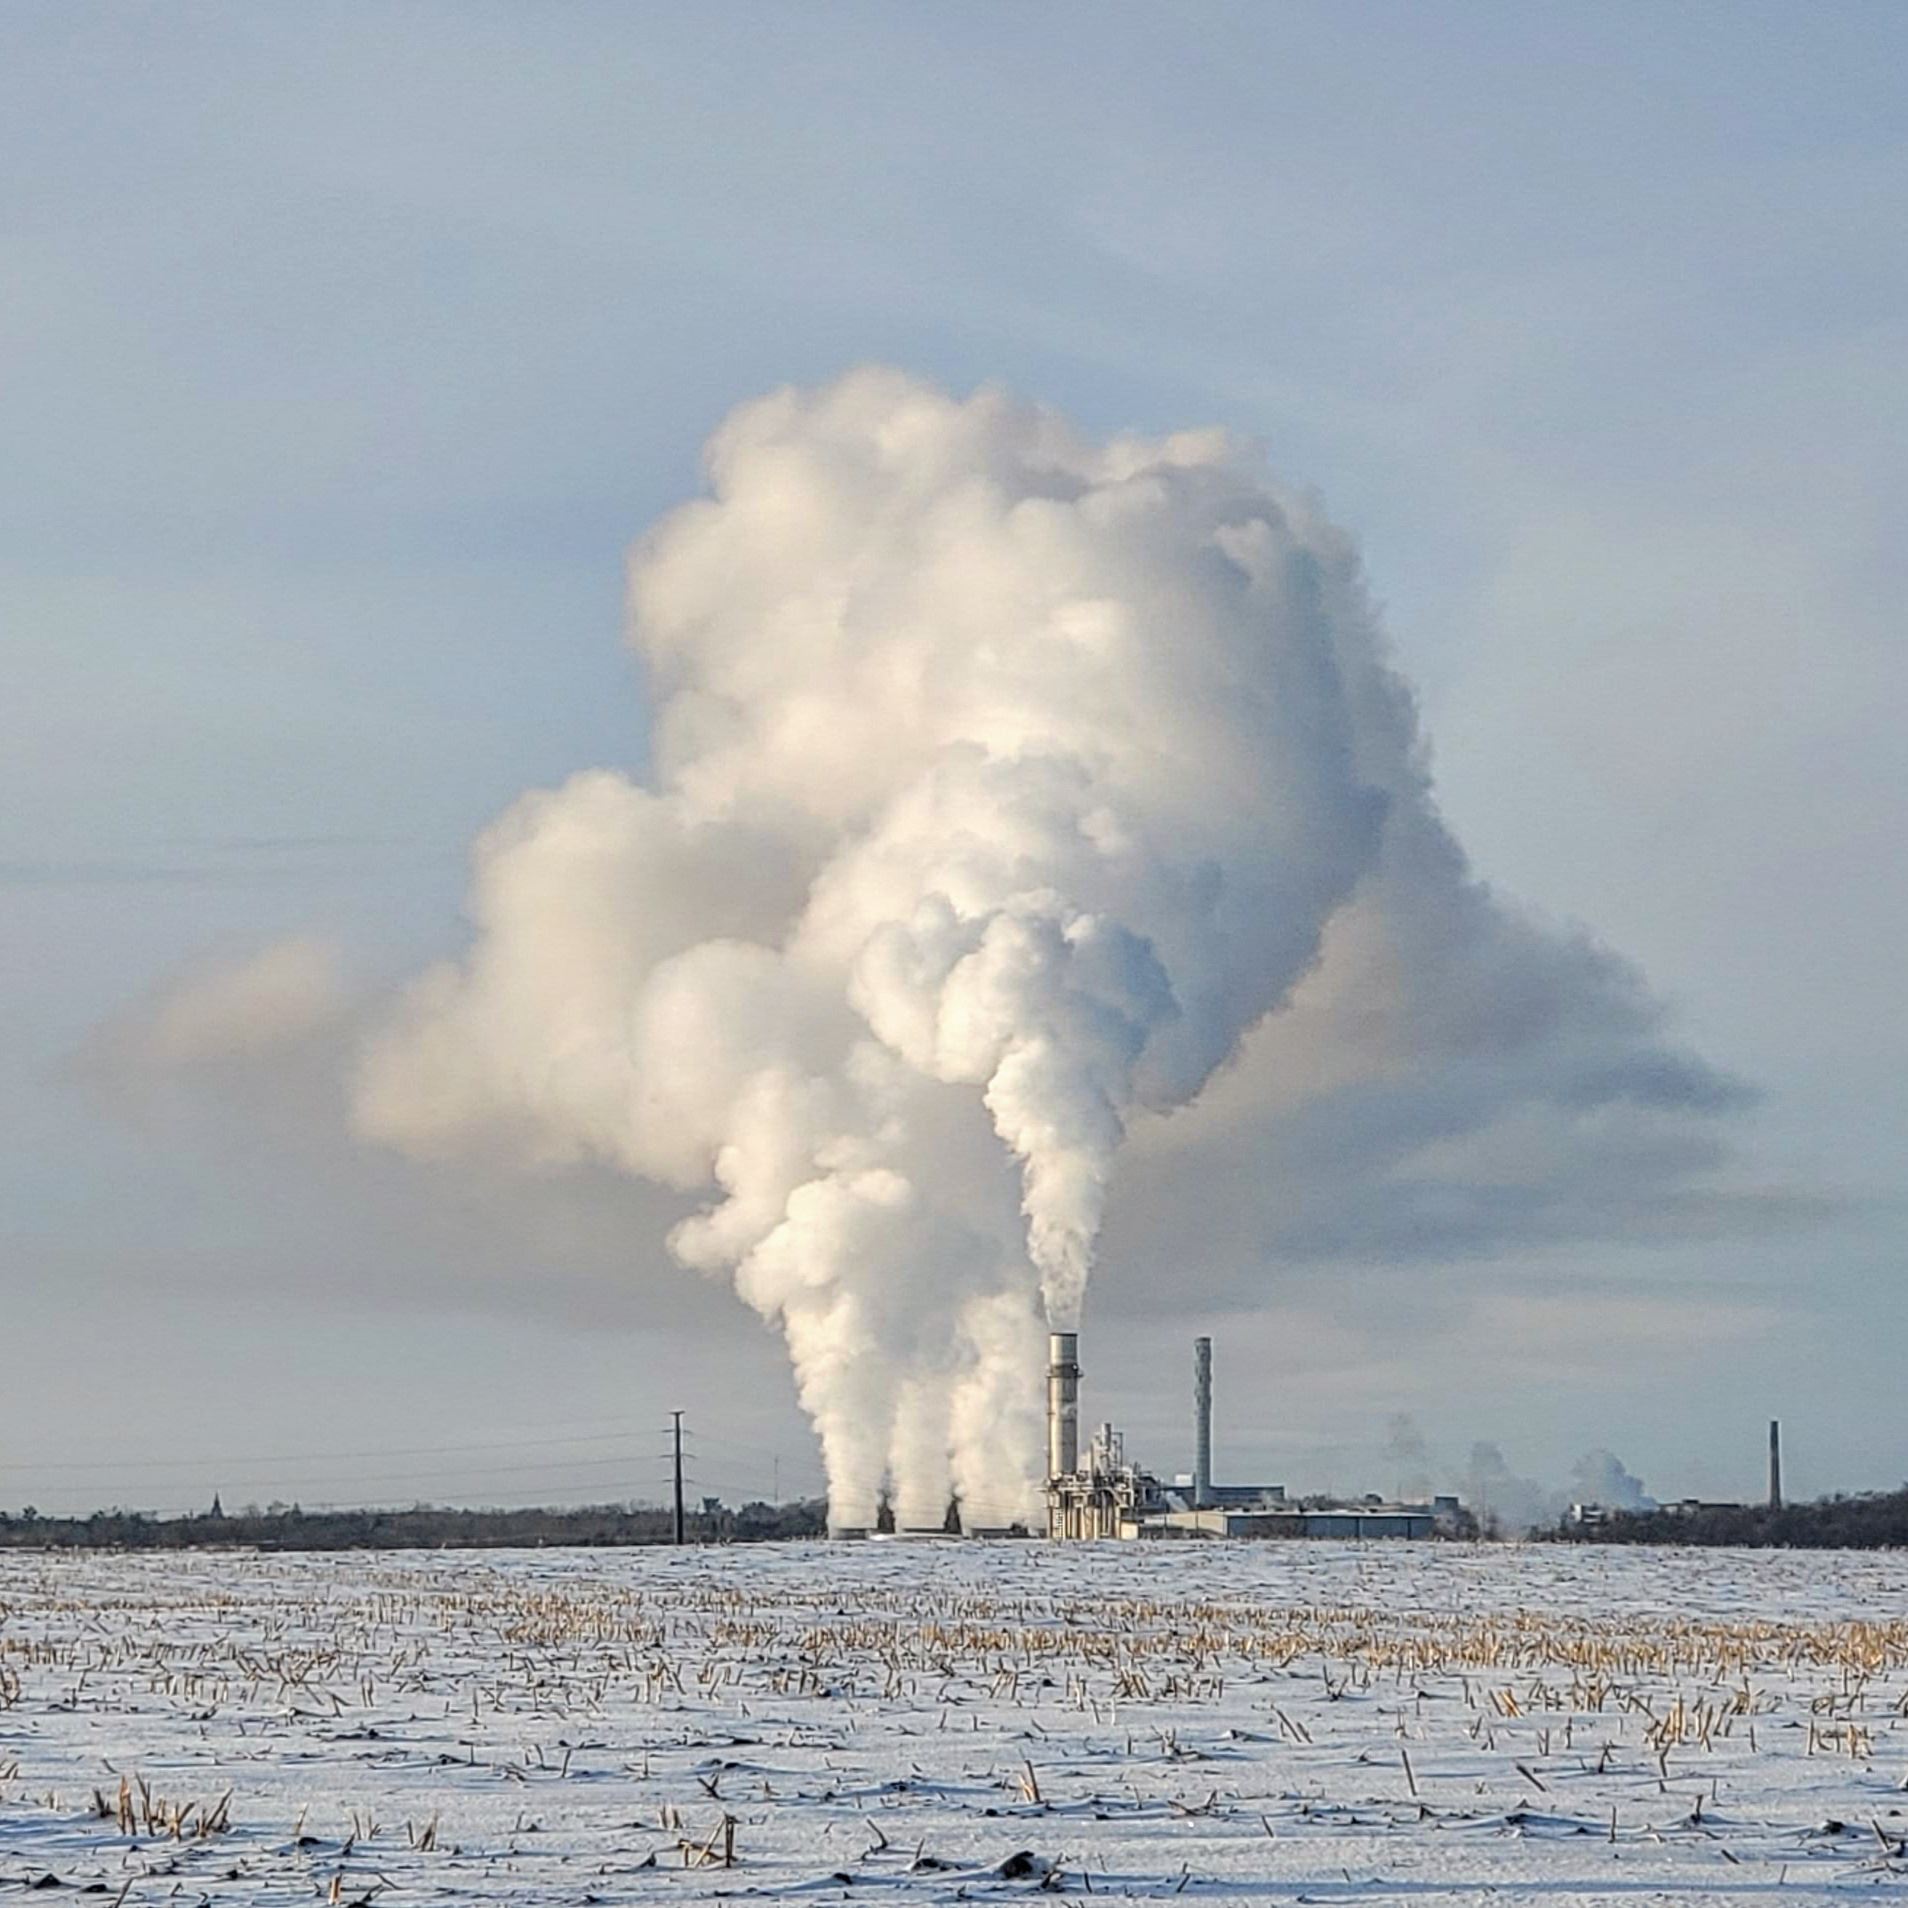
(1063, 1403)
(1775, 1463)
(1202, 1423)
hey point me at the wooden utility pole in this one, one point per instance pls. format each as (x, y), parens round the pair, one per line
(681, 1535)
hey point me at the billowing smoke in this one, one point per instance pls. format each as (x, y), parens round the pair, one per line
(1003, 781)
(1504, 1501)
(1407, 1457)
(1601, 1477)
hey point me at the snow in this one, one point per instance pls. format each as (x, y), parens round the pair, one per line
(1255, 1723)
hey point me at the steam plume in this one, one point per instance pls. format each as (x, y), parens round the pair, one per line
(1003, 781)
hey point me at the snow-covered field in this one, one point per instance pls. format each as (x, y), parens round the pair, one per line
(1252, 1723)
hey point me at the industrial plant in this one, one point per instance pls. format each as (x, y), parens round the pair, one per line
(1107, 1497)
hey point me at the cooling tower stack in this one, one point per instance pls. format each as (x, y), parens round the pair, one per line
(1202, 1423)
(1775, 1464)
(1063, 1403)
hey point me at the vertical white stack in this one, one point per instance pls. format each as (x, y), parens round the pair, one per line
(1202, 1423)
(1063, 1403)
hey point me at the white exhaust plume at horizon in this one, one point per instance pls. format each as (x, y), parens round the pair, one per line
(1003, 781)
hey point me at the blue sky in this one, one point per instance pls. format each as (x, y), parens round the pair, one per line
(346, 349)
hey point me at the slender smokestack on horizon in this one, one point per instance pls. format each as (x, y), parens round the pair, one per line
(1202, 1423)
(1063, 1403)
(1775, 1463)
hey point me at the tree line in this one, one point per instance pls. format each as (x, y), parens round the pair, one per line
(421, 1527)
(1876, 1520)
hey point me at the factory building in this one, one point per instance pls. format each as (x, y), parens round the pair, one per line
(1105, 1497)
(1365, 1519)
(1109, 1497)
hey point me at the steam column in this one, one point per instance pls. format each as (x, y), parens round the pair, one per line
(1202, 1423)
(1063, 1403)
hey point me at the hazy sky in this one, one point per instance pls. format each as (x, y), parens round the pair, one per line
(343, 352)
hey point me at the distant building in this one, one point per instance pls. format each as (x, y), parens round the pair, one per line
(1338, 1520)
(1106, 1496)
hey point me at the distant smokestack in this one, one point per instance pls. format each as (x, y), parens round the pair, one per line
(1775, 1463)
(1202, 1423)
(1063, 1403)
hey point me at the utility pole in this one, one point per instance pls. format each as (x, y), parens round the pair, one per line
(677, 1417)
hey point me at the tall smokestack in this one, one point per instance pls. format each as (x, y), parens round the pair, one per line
(1063, 1403)
(1202, 1423)
(1775, 1463)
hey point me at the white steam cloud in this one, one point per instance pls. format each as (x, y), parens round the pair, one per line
(1004, 781)
(227, 1012)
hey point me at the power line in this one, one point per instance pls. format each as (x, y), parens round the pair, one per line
(227, 1479)
(317, 1457)
(677, 1416)
(474, 1500)
(744, 1467)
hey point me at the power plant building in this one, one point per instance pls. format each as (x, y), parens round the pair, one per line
(1109, 1497)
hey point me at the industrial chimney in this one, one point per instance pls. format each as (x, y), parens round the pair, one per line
(1063, 1403)
(1202, 1423)
(1775, 1464)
